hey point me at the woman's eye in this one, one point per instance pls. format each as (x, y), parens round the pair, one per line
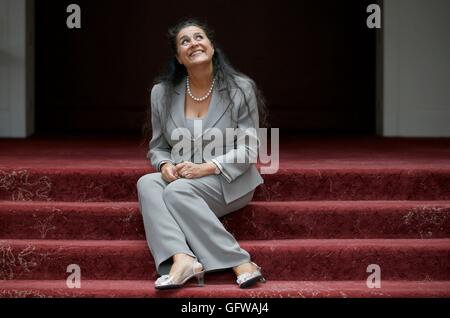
(199, 37)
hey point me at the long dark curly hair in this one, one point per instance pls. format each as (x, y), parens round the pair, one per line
(224, 74)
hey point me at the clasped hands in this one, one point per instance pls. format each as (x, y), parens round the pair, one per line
(187, 170)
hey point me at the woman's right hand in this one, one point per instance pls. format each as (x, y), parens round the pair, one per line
(169, 172)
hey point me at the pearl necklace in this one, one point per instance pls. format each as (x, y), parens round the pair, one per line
(199, 99)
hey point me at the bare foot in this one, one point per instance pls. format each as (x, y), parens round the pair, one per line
(182, 266)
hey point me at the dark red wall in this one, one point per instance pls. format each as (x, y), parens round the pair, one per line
(314, 60)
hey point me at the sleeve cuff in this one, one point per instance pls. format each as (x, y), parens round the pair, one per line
(223, 172)
(163, 162)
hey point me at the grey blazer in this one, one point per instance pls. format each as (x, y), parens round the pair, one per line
(237, 179)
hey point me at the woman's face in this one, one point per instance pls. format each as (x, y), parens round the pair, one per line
(193, 47)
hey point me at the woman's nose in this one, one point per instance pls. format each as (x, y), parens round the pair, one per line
(194, 42)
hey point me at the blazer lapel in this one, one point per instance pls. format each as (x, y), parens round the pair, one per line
(177, 107)
(217, 107)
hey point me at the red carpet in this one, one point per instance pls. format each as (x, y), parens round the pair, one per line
(336, 206)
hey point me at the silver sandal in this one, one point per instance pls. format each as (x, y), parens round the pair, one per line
(249, 279)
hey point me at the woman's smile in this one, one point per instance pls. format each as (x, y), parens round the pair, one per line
(197, 53)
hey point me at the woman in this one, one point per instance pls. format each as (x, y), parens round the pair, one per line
(181, 203)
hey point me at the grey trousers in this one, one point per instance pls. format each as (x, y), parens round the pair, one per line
(182, 217)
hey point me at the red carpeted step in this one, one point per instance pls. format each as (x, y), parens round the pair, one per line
(399, 259)
(70, 220)
(259, 220)
(271, 289)
(109, 184)
(318, 201)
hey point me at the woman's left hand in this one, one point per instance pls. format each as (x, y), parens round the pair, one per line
(191, 170)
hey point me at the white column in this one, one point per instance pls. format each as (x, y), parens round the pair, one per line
(415, 68)
(16, 68)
